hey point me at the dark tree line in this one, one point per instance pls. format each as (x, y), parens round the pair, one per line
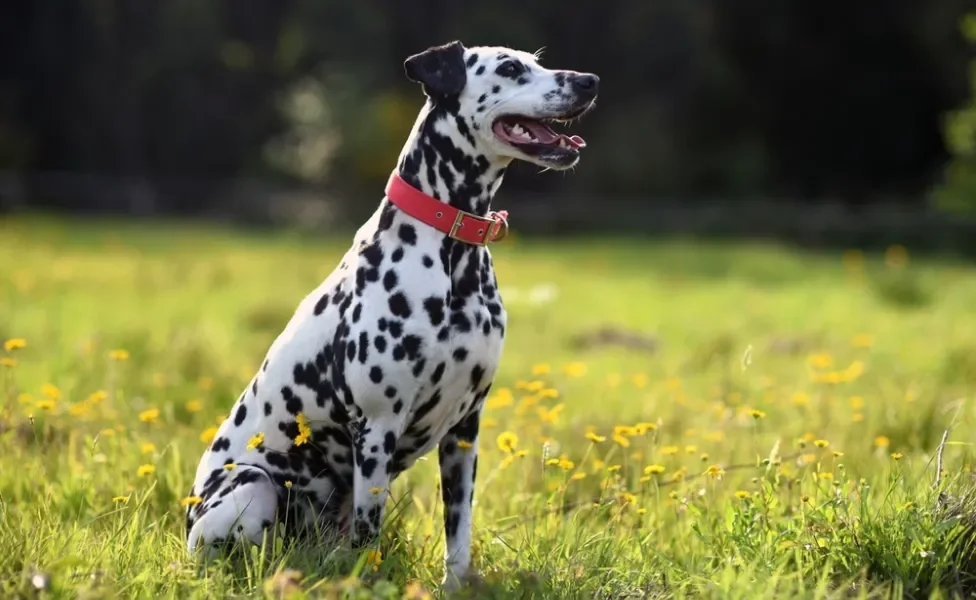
(699, 97)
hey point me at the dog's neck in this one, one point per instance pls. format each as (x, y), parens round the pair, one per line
(443, 159)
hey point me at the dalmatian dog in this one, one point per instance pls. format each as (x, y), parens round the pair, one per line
(394, 353)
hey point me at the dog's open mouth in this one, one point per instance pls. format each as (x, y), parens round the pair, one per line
(536, 138)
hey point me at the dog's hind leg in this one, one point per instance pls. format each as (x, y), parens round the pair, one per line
(242, 508)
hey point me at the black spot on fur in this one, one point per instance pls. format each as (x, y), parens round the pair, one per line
(320, 305)
(375, 374)
(435, 310)
(428, 261)
(368, 467)
(408, 234)
(390, 280)
(460, 354)
(438, 373)
(399, 305)
(240, 416)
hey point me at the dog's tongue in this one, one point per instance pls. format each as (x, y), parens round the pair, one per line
(545, 135)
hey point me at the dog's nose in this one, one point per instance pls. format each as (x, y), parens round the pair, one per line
(586, 84)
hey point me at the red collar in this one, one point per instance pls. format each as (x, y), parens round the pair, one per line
(457, 224)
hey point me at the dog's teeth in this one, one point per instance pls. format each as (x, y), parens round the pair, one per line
(517, 130)
(562, 144)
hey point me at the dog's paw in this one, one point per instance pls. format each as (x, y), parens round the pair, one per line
(454, 582)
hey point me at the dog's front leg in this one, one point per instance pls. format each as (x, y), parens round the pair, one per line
(457, 453)
(375, 444)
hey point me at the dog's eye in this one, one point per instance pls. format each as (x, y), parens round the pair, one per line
(510, 68)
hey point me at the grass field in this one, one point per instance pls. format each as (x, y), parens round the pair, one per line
(773, 435)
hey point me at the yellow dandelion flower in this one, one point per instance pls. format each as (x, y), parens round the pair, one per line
(208, 434)
(641, 511)
(190, 501)
(596, 439)
(120, 499)
(897, 455)
(45, 404)
(550, 415)
(691, 449)
(820, 360)
(668, 450)
(714, 471)
(551, 393)
(304, 431)
(804, 498)
(521, 454)
(808, 458)
(148, 448)
(704, 456)
(742, 494)
(838, 453)
(51, 391)
(6, 361)
(566, 465)
(575, 369)
(907, 505)
(193, 406)
(256, 440)
(149, 415)
(375, 490)
(638, 380)
(14, 344)
(643, 427)
(465, 445)
(857, 402)
(507, 441)
(374, 559)
(653, 469)
(97, 396)
(756, 414)
(146, 470)
(78, 409)
(882, 441)
(622, 441)
(800, 399)
(119, 355)
(826, 475)
(289, 483)
(614, 468)
(577, 476)
(628, 498)
(821, 443)
(540, 369)
(625, 430)
(862, 340)
(503, 397)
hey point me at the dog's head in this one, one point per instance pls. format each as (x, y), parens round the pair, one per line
(503, 101)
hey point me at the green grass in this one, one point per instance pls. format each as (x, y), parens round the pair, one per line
(762, 355)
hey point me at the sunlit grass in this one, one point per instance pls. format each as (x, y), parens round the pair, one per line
(772, 435)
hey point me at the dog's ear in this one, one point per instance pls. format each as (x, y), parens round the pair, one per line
(439, 69)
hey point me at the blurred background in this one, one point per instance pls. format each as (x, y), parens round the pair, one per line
(820, 123)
